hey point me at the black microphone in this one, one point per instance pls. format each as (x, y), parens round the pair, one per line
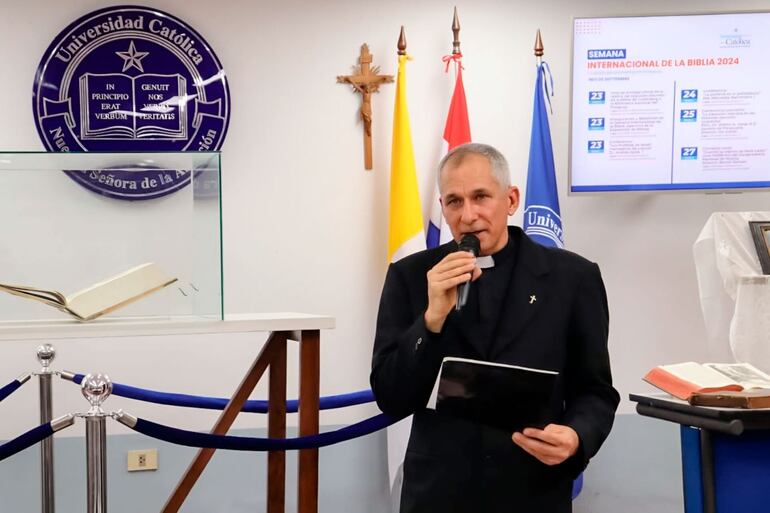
(471, 244)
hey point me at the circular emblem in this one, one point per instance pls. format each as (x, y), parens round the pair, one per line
(125, 79)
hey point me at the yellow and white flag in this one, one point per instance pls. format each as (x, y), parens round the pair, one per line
(406, 234)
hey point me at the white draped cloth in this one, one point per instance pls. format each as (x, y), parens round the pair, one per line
(734, 294)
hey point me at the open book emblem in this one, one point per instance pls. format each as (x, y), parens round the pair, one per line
(149, 106)
(131, 79)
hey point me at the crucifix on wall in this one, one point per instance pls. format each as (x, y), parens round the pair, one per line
(366, 81)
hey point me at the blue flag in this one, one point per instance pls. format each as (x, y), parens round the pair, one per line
(542, 218)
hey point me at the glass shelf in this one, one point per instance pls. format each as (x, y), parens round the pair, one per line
(70, 220)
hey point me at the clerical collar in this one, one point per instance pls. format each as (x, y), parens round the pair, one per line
(488, 261)
(485, 262)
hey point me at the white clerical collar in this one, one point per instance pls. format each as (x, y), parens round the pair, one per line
(485, 262)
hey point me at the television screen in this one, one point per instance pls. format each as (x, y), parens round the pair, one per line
(670, 103)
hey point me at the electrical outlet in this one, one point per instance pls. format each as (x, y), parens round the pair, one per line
(144, 459)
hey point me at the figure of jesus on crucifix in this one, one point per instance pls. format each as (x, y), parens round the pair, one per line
(366, 81)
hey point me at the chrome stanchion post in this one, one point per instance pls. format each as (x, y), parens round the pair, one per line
(45, 355)
(96, 388)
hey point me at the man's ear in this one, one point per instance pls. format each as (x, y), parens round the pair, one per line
(513, 198)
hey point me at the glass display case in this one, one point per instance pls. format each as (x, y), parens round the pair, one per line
(70, 221)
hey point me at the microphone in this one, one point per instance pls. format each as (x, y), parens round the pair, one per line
(468, 243)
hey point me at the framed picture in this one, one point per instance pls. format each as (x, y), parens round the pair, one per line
(760, 231)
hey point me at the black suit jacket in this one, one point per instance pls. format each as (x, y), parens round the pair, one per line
(458, 466)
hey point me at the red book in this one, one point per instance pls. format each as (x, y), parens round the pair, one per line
(684, 379)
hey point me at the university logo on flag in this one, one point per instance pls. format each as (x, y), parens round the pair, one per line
(542, 222)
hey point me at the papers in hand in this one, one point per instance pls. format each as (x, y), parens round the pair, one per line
(684, 379)
(507, 397)
(102, 297)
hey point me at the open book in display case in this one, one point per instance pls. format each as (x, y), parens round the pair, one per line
(108, 237)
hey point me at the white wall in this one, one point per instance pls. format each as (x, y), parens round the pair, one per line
(305, 225)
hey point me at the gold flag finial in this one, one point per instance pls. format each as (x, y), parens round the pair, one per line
(538, 45)
(456, 32)
(402, 42)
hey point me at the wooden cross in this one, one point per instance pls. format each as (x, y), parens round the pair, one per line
(366, 81)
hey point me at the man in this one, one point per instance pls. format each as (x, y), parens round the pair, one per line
(529, 305)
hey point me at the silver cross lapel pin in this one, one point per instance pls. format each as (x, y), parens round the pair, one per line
(532, 299)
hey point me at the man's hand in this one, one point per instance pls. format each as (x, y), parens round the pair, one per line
(551, 445)
(443, 279)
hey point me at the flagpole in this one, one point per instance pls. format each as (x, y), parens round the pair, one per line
(538, 47)
(456, 33)
(405, 232)
(456, 42)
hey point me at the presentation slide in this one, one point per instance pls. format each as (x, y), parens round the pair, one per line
(670, 103)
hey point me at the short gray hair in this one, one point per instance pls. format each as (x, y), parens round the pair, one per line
(500, 171)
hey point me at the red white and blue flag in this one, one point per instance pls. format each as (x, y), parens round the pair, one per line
(457, 131)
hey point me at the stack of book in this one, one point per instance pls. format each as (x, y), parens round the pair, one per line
(728, 385)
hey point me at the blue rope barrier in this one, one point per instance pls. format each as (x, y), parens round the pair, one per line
(26, 440)
(577, 486)
(9, 388)
(216, 403)
(240, 443)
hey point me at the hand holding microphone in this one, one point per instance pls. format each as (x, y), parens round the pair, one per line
(471, 244)
(445, 280)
